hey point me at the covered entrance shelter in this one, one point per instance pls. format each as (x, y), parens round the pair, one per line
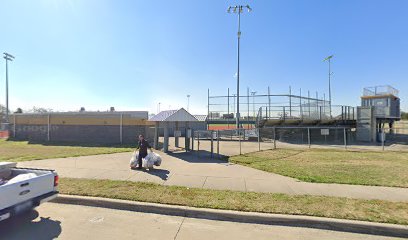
(173, 119)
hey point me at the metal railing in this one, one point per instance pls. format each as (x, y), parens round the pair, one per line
(380, 90)
(241, 141)
(315, 112)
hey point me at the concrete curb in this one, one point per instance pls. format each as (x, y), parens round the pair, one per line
(244, 217)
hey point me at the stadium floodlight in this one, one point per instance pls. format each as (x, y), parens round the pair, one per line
(8, 57)
(328, 59)
(238, 9)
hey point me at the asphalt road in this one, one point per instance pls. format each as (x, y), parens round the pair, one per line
(51, 221)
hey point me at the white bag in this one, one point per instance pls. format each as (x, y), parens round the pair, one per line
(21, 177)
(154, 158)
(157, 159)
(133, 160)
(147, 162)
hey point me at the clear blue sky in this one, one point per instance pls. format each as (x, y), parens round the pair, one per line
(134, 54)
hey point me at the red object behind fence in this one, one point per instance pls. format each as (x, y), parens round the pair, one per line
(4, 134)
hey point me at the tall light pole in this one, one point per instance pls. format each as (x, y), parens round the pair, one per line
(238, 9)
(253, 102)
(8, 57)
(235, 95)
(328, 59)
(158, 109)
(188, 102)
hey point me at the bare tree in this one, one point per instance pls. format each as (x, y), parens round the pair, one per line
(40, 110)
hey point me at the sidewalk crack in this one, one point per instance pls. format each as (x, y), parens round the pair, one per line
(204, 181)
(178, 230)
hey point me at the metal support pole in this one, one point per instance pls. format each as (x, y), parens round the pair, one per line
(238, 55)
(284, 114)
(228, 119)
(345, 138)
(14, 126)
(269, 103)
(212, 144)
(7, 57)
(330, 99)
(274, 138)
(187, 137)
(259, 138)
(218, 144)
(208, 104)
(192, 139)
(248, 107)
(320, 113)
(300, 104)
(266, 113)
(166, 138)
(290, 101)
(176, 138)
(49, 128)
(308, 99)
(383, 139)
(239, 137)
(121, 129)
(198, 143)
(308, 137)
(156, 136)
(7, 104)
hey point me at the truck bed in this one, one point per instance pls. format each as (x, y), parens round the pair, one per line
(25, 191)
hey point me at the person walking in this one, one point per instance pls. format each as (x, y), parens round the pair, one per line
(143, 145)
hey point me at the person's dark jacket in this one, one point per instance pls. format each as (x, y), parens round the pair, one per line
(143, 145)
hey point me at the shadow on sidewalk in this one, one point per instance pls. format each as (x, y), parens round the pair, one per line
(161, 173)
(201, 156)
(24, 227)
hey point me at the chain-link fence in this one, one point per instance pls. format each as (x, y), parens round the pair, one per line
(4, 130)
(240, 141)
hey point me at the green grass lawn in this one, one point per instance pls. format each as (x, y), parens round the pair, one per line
(17, 151)
(332, 166)
(333, 207)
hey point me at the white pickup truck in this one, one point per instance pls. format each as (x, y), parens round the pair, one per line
(22, 189)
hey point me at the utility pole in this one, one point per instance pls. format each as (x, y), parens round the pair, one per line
(328, 59)
(238, 9)
(233, 106)
(253, 102)
(8, 57)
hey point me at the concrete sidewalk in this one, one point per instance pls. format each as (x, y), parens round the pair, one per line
(186, 169)
(66, 221)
